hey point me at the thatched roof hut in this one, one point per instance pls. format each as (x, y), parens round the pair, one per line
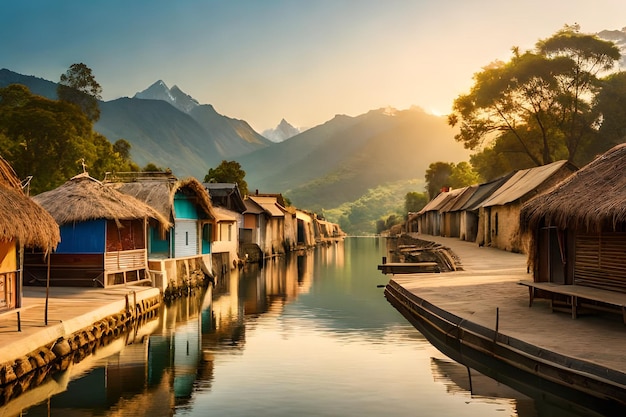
(159, 193)
(590, 200)
(20, 217)
(83, 198)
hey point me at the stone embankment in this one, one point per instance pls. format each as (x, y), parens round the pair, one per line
(81, 321)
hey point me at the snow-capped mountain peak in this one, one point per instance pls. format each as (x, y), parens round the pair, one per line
(282, 132)
(175, 96)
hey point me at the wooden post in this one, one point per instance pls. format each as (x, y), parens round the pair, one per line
(495, 336)
(45, 319)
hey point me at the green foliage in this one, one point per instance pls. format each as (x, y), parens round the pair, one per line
(538, 107)
(388, 223)
(79, 86)
(228, 172)
(414, 201)
(362, 216)
(463, 175)
(611, 103)
(437, 177)
(51, 140)
(151, 167)
(449, 175)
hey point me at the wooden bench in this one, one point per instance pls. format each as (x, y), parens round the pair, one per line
(16, 311)
(579, 296)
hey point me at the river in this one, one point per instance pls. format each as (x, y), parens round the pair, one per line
(305, 335)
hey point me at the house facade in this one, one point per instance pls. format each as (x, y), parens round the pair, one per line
(23, 224)
(103, 237)
(181, 255)
(499, 214)
(577, 231)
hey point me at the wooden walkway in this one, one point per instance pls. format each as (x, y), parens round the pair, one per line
(487, 291)
(69, 310)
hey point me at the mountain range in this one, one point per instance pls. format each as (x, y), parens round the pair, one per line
(321, 168)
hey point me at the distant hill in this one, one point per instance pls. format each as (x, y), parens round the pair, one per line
(348, 162)
(164, 126)
(340, 160)
(36, 85)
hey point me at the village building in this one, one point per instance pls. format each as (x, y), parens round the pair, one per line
(225, 247)
(182, 255)
(469, 211)
(23, 224)
(499, 213)
(451, 211)
(229, 208)
(103, 237)
(577, 231)
(265, 215)
(429, 218)
(305, 229)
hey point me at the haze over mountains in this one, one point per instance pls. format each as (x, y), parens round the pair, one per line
(322, 168)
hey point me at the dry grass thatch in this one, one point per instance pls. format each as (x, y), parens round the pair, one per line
(159, 194)
(20, 217)
(591, 200)
(83, 198)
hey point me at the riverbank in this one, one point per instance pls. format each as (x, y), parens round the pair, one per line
(79, 320)
(481, 315)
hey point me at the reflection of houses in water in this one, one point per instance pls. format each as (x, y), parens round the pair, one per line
(160, 366)
(114, 377)
(333, 253)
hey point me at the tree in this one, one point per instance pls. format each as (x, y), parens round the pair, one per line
(44, 138)
(79, 86)
(540, 104)
(151, 167)
(230, 172)
(463, 175)
(611, 103)
(437, 177)
(50, 140)
(414, 202)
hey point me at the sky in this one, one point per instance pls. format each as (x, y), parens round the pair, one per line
(302, 60)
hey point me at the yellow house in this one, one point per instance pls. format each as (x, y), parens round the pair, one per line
(23, 223)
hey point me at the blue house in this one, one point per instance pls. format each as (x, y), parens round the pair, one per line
(103, 236)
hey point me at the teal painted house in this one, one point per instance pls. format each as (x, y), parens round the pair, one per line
(181, 253)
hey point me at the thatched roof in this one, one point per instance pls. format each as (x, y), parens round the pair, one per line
(20, 217)
(83, 198)
(592, 199)
(159, 194)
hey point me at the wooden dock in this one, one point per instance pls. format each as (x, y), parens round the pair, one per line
(481, 318)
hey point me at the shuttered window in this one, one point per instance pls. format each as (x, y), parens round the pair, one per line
(600, 261)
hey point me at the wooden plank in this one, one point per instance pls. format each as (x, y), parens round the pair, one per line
(408, 267)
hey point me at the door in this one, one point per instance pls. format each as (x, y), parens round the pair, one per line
(185, 238)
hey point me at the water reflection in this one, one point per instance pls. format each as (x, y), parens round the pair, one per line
(309, 334)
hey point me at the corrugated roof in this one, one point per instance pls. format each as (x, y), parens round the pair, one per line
(252, 207)
(224, 215)
(440, 200)
(521, 183)
(269, 204)
(456, 203)
(483, 192)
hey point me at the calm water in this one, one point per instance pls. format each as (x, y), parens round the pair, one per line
(308, 335)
